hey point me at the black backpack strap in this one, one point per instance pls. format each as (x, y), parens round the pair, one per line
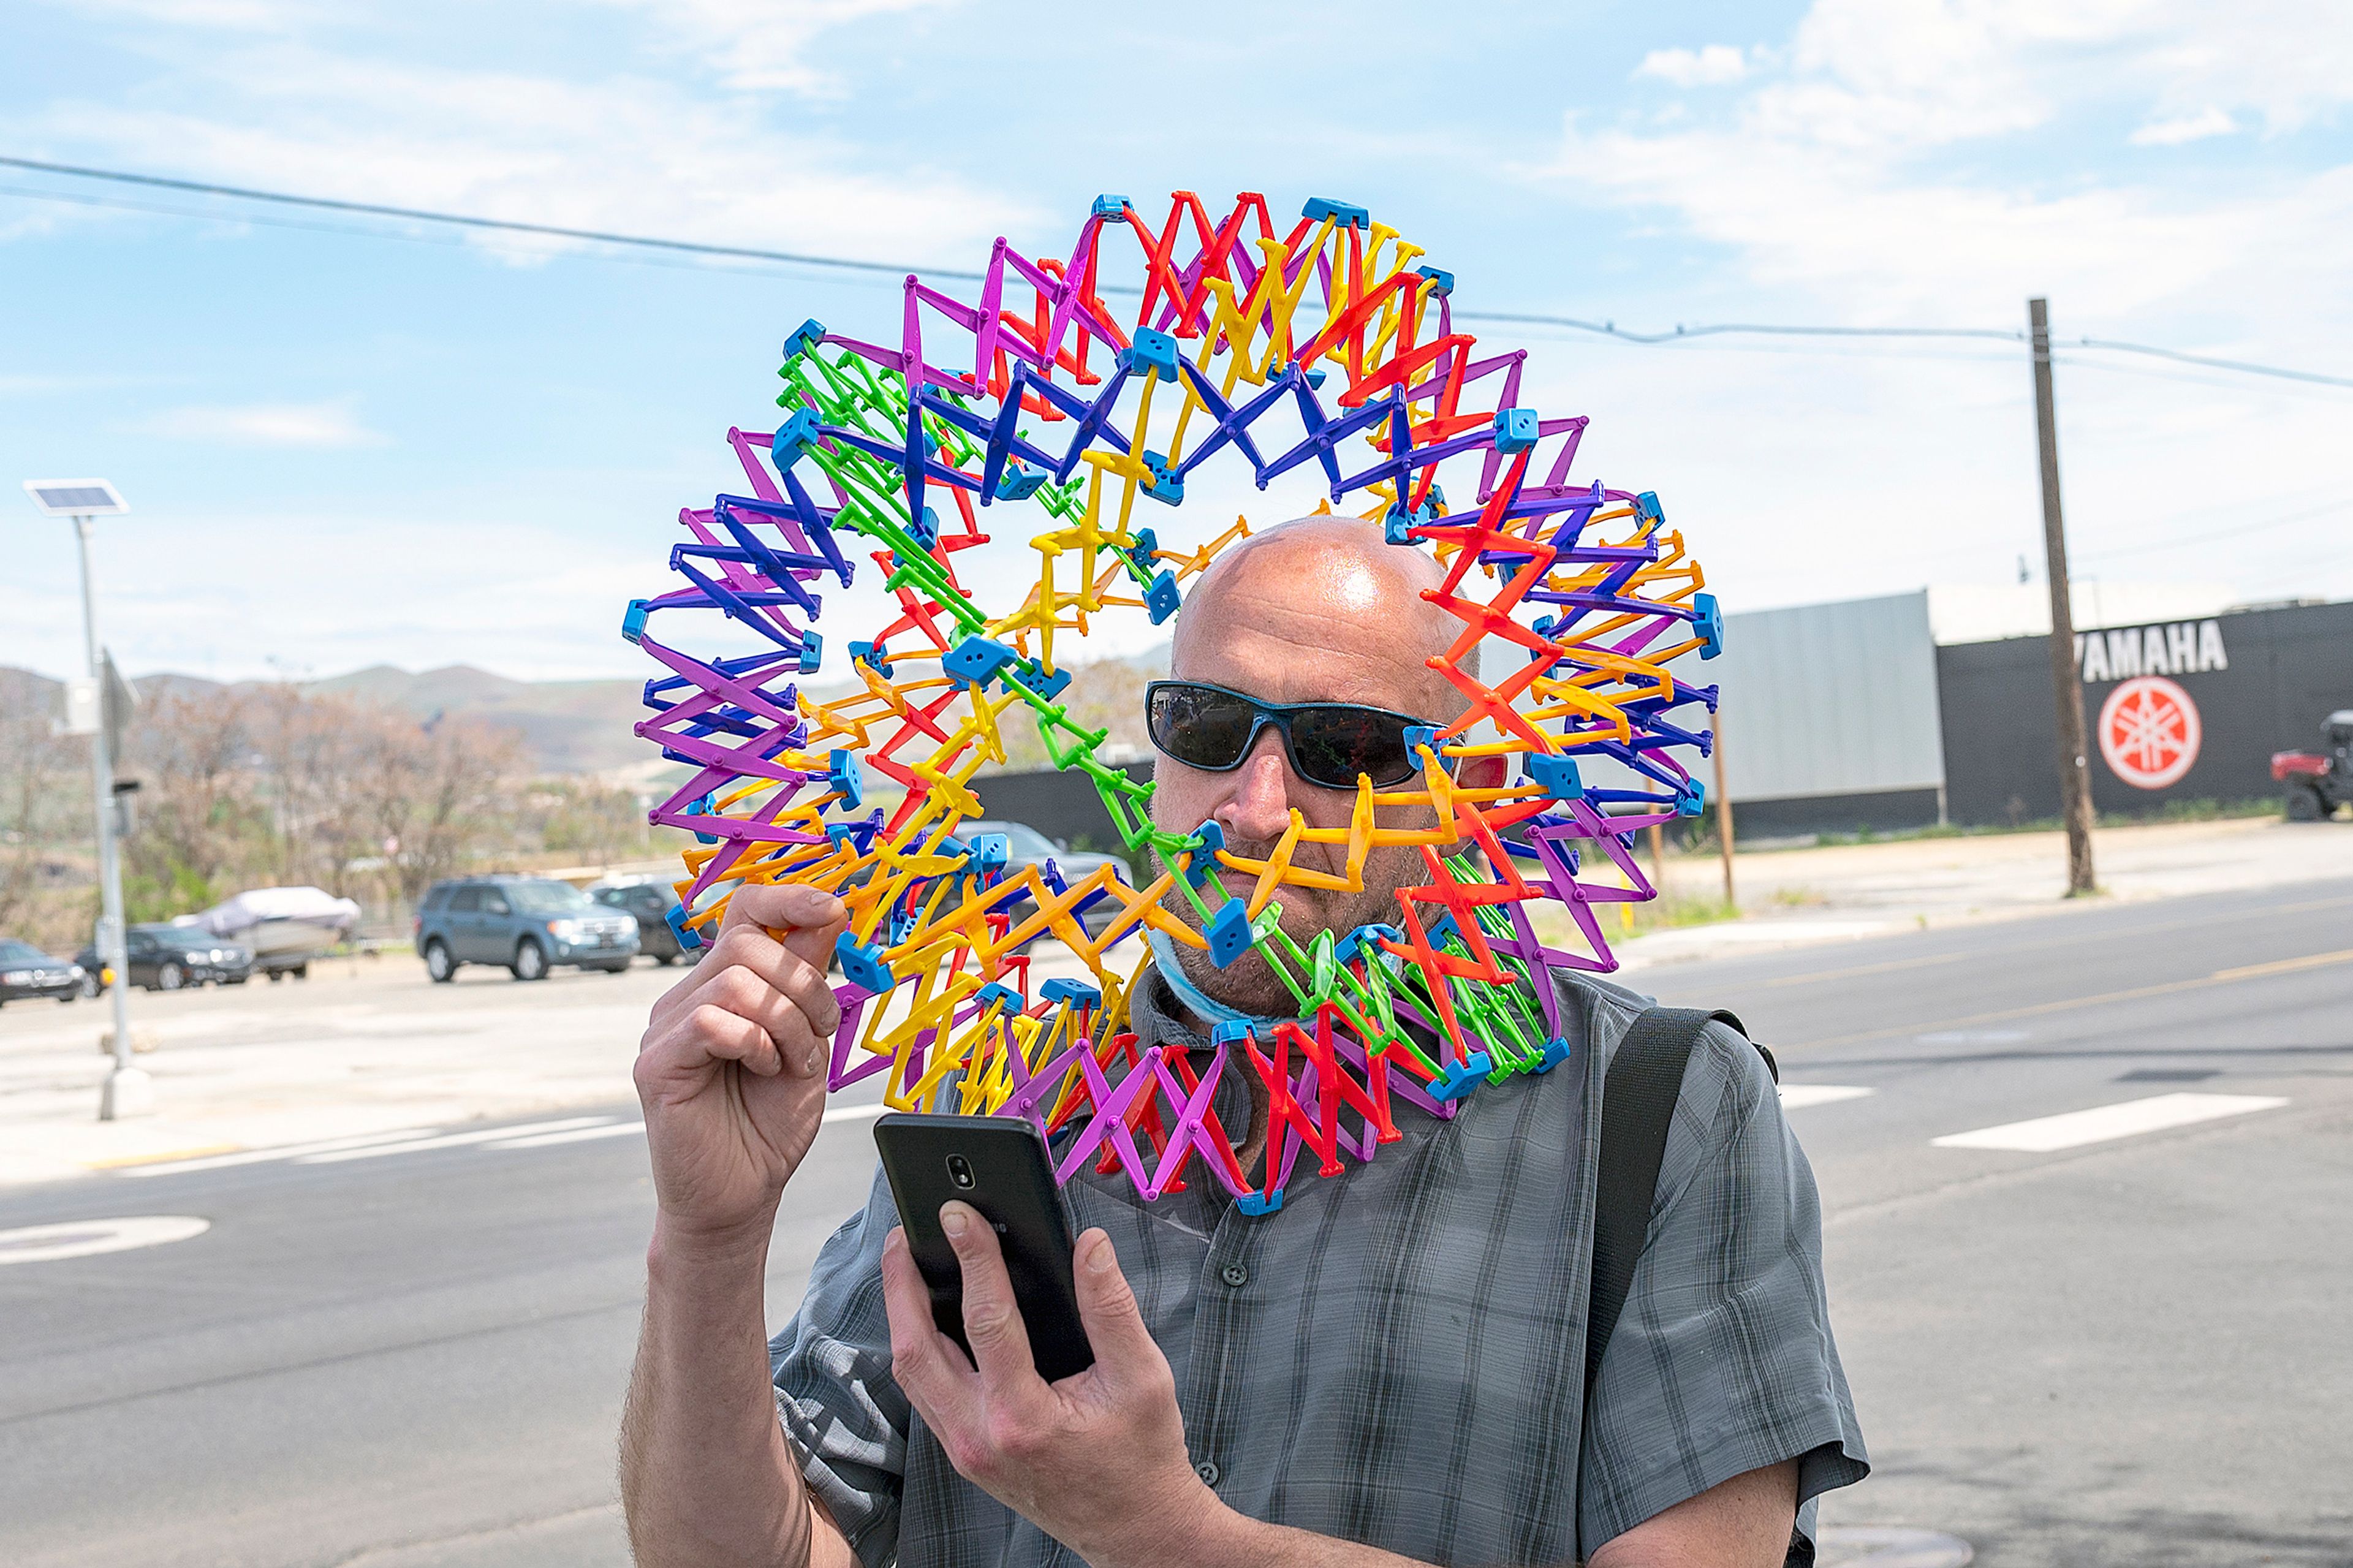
(1638, 1101)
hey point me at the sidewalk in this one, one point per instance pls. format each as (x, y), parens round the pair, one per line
(369, 1046)
(1843, 892)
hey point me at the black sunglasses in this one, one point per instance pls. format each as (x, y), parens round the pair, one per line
(1328, 743)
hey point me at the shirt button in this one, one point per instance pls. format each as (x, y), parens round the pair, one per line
(1207, 1471)
(1235, 1275)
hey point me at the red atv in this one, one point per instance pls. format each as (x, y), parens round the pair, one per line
(2318, 783)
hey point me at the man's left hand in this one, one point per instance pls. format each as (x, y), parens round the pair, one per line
(1097, 1460)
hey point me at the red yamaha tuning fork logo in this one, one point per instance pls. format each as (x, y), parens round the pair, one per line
(2150, 732)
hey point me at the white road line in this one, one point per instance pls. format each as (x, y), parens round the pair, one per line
(2046, 1134)
(452, 1141)
(1797, 1096)
(88, 1237)
(856, 1112)
(577, 1135)
(276, 1151)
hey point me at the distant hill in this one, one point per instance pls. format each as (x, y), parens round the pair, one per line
(566, 726)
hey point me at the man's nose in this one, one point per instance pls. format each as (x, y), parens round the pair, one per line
(1257, 808)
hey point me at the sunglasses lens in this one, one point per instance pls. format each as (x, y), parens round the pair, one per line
(1200, 728)
(1333, 745)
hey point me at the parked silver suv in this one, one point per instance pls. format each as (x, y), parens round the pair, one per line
(526, 924)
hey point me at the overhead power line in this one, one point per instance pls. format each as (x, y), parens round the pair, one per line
(1608, 329)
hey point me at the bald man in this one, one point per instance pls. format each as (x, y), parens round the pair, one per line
(1390, 1368)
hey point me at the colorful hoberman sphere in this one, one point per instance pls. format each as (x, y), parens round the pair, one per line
(1322, 344)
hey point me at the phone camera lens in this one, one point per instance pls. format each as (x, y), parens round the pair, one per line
(960, 1171)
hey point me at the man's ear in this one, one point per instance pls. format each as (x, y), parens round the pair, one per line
(1483, 773)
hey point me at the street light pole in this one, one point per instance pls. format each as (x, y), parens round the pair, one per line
(129, 1091)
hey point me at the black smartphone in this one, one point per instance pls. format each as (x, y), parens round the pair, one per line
(999, 1165)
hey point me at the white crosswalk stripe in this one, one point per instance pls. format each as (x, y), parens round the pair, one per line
(2073, 1129)
(276, 1151)
(449, 1140)
(1797, 1096)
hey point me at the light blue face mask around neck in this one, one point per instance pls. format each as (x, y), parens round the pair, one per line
(1189, 995)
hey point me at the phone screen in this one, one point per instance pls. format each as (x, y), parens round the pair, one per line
(1000, 1166)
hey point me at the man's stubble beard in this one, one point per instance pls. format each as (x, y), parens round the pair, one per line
(1250, 984)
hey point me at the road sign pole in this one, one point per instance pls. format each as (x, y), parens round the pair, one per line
(129, 1091)
(2067, 690)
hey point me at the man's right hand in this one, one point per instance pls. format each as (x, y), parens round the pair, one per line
(731, 1071)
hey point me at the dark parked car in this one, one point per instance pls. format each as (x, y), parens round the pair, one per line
(650, 904)
(26, 972)
(164, 958)
(527, 925)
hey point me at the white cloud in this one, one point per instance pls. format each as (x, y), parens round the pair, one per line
(325, 425)
(1712, 66)
(2181, 128)
(625, 154)
(764, 44)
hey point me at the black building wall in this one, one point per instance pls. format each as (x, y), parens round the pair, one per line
(2287, 670)
(1059, 804)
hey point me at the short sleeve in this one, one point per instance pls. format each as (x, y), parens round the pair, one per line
(1722, 1361)
(841, 1411)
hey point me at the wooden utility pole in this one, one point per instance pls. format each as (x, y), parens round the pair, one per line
(2067, 691)
(1723, 811)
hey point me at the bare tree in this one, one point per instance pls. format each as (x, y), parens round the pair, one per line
(35, 797)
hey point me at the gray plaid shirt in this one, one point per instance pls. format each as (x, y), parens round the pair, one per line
(1395, 1356)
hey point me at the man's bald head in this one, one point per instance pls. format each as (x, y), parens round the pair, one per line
(1350, 602)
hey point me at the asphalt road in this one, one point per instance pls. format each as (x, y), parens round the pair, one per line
(2116, 1347)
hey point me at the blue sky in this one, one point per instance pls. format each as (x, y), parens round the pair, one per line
(409, 447)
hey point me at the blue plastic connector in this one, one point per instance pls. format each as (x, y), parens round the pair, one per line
(1556, 776)
(976, 658)
(1315, 377)
(990, 851)
(1153, 350)
(862, 966)
(690, 939)
(1019, 481)
(812, 652)
(841, 774)
(1516, 429)
(1144, 554)
(1162, 598)
(793, 437)
(1460, 1078)
(1646, 505)
(1109, 207)
(702, 808)
(902, 926)
(1418, 736)
(1077, 993)
(1256, 1207)
(1167, 486)
(1318, 208)
(874, 658)
(1366, 938)
(1229, 1032)
(1205, 857)
(925, 529)
(1441, 282)
(1556, 1052)
(633, 620)
(1048, 687)
(1443, 929)
(1228, 933)
(805, 337)
(1710, 625)
(1691, 798)
(1001, 995)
